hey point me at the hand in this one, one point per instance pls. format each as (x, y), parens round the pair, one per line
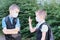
(8, 31)
(30, 20)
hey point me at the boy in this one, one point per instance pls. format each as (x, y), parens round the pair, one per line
(11, 25)
(42, 29)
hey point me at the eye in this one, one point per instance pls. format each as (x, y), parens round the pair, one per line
(16, 11)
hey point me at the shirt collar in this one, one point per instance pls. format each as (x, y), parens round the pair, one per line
(10, 17)
(41, 22)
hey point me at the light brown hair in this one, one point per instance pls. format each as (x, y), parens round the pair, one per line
(13, 6)
(41, 12)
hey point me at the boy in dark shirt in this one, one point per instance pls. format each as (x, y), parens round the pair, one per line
(11, 24)
(41, 28)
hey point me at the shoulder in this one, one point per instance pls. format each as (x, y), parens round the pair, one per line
(3, 18)
(44, 28)
(18, 19)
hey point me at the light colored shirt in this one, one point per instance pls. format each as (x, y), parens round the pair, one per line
(11, 19)
(44, 27)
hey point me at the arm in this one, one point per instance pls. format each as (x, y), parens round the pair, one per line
(17, 27)
(30, 26)
(10, 31)
(44, 31)
(43, 35)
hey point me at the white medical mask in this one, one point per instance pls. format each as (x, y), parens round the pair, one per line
(14, 15)
(38, 20)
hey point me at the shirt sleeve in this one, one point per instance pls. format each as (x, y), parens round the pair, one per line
(3, 23)
(18, 23)
(44, 28)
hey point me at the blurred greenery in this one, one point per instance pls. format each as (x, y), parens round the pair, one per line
(28, 8)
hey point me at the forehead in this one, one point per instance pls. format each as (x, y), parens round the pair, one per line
(14, 7)
(16, 10)
(40, 12)
(37, 14)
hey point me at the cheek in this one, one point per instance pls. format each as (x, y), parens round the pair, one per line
(36, 15)
(36, 18)
(12, 12)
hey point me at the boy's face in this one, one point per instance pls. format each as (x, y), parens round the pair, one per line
(38, 17)
(14, 13)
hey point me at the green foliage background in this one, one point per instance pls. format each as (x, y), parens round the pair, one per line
(28, 8)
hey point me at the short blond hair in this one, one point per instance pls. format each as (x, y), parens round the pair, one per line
(41, 12)
(13, 6)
